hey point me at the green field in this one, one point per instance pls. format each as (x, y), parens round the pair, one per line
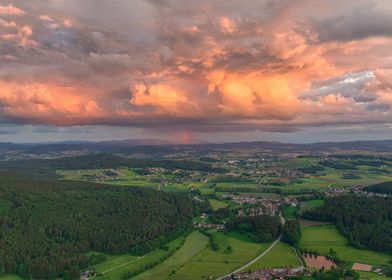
(234, 185)
(280, 256)
(217, 204)
(234, 251)
(289, 212)
(131, 178)
(196, 260)
(333, 178)
(313, 203)
(372, 276)
(322, 238)
(115, 266)
(194, 244)
(328, 178)
(10, 277)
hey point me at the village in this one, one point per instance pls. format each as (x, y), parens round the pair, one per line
(272, 273)
(247, 205)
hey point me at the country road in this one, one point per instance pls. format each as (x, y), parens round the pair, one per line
(258, 257)
(124, 264)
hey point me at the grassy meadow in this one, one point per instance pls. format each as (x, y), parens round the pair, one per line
(194, 244)
(324, 237)
(217, 204)
(280, 256)
(289, 212)
(10, 277)
(196, 260)
(115, 266)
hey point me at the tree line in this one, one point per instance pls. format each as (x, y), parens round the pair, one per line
(46, 227)
(261, 228)
(383, 188)
(365, 221)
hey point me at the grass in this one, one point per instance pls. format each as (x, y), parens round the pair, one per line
(323, 238)
(372, 276)
(115, 261)
(234, 185)
(194, 243)
(115, 266)
(217, 204)
(10, 277)
(280, 256)
(289, 212)
(314, 203)
(334, 178)
(209, 263)
(131, 178)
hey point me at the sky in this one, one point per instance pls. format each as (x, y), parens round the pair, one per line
(190, 71)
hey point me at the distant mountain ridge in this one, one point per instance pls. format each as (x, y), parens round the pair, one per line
(152, 145)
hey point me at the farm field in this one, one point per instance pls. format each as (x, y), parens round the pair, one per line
(280, 256)
(313, 203)
(10, 277)
(115, 266)
(194, 243)
(333, 178)
(328, 178)
(289, 212)
(129, 177)
(324, 237)
(257, 194)
(209, 263)
(234, 185)
(217, 204)
(372, 276)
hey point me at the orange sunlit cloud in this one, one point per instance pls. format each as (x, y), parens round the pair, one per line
(267, 65)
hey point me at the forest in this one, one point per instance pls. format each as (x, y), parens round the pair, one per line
(46, 227)
(365, 221)
(292, 233)
(383, 188)
(261, 228)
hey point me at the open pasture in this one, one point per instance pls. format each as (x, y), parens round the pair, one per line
(10, 277)
(217, 204)
(194, 243)
(322, 238)
(282, 255)
(234, 250)
(115, 266)
(289, 212)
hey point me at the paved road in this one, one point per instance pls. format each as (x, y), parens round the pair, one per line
(258, 257)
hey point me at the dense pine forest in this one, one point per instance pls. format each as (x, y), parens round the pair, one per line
(383, 188)
(292, 233)
(366, 221)
(46, 226)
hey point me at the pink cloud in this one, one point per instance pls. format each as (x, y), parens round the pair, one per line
(11, 10)
(206, 63)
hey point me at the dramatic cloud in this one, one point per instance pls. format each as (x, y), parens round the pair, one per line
(219, 65)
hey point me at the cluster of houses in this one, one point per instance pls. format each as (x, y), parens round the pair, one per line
(273, 273)
(85, 275)
(356, 189)
(280, 172)
(252, 206)
(204, 225)
(108, 174)
(264, 206)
